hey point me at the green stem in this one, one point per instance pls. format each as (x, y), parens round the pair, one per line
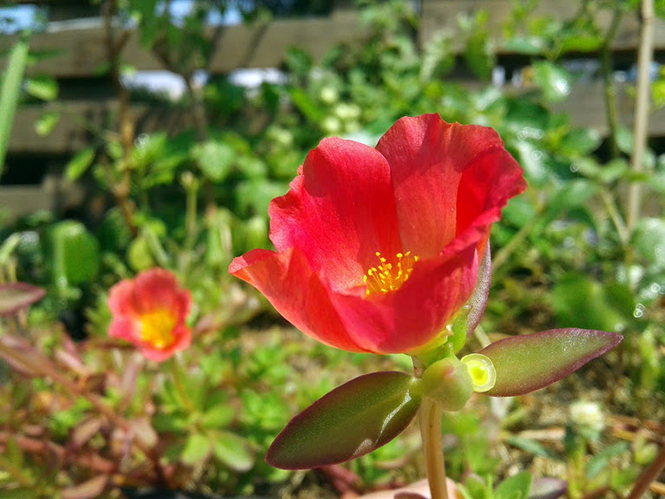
(16, 472)
(176, 373)
(430, 430)
(609, 89)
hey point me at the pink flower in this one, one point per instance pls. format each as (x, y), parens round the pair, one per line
(150, 311)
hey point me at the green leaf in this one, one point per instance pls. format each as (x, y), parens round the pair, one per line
(523, 44)
(42, 87)
(581, 301)
(600, 461)
(514, 487)
(218, 416)
(232, 451)
(306, 105)
(527, 363)
(197, 449)
(18, 295)
(215, 159)
(74, 253)
(530, 446)
(624, 139)
(45, 124)
(78, 165)
(349, 422)
(9, 95)
(649, 241)
(552, 79)
(580, 141)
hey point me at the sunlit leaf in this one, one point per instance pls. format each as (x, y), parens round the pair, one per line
(197, 448)
(552, 79)
(42, 87)
(78, 165)
(45, 124)
(352, 420)
(18, 295)
(530, 362)
(231, 450)
(214, 159)
(514, 487)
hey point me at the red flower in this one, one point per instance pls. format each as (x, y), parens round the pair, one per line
(378, 248)
(150, 311)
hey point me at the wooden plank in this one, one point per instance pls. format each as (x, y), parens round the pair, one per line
(81, 123)
(585, 107)
(81, 53)
(437, 15)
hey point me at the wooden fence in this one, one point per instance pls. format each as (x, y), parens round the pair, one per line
(82, 51)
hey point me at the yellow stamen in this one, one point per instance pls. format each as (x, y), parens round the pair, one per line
(387, 276)
(157, 328)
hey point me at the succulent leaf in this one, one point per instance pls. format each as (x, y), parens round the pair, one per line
(350, 421)
(18, 295)
(530, 362)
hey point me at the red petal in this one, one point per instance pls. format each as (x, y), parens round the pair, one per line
(339, 212)
(445, 176)
(290, 285)
(124, 328)
(157, 289)
(415, 314)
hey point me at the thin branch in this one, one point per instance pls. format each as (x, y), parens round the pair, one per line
(648, 475)
(641, 124)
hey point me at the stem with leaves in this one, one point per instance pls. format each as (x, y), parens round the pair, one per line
(44, 368)
(121, 189)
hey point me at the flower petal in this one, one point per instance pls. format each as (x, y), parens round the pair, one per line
(339, 212)
(411, 317)
(445, 176)
(290, 285)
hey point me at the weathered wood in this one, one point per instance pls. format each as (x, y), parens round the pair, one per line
(439, 15)
(81, 121)
(80, 53)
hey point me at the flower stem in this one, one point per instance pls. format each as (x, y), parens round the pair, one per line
(430, 430)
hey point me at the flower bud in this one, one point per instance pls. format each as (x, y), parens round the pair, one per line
(448, 383)
(481, 370)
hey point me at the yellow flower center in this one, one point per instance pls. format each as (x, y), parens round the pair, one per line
(157, 328)
(387, 277)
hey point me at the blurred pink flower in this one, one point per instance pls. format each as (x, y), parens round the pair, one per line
(150, 312)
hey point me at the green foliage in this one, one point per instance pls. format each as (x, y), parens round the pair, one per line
(192, 201)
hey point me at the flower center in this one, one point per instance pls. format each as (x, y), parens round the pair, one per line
(157, 328)
(387, 277)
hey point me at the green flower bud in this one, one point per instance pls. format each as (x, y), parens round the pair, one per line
(481, 370)
(448, 383)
